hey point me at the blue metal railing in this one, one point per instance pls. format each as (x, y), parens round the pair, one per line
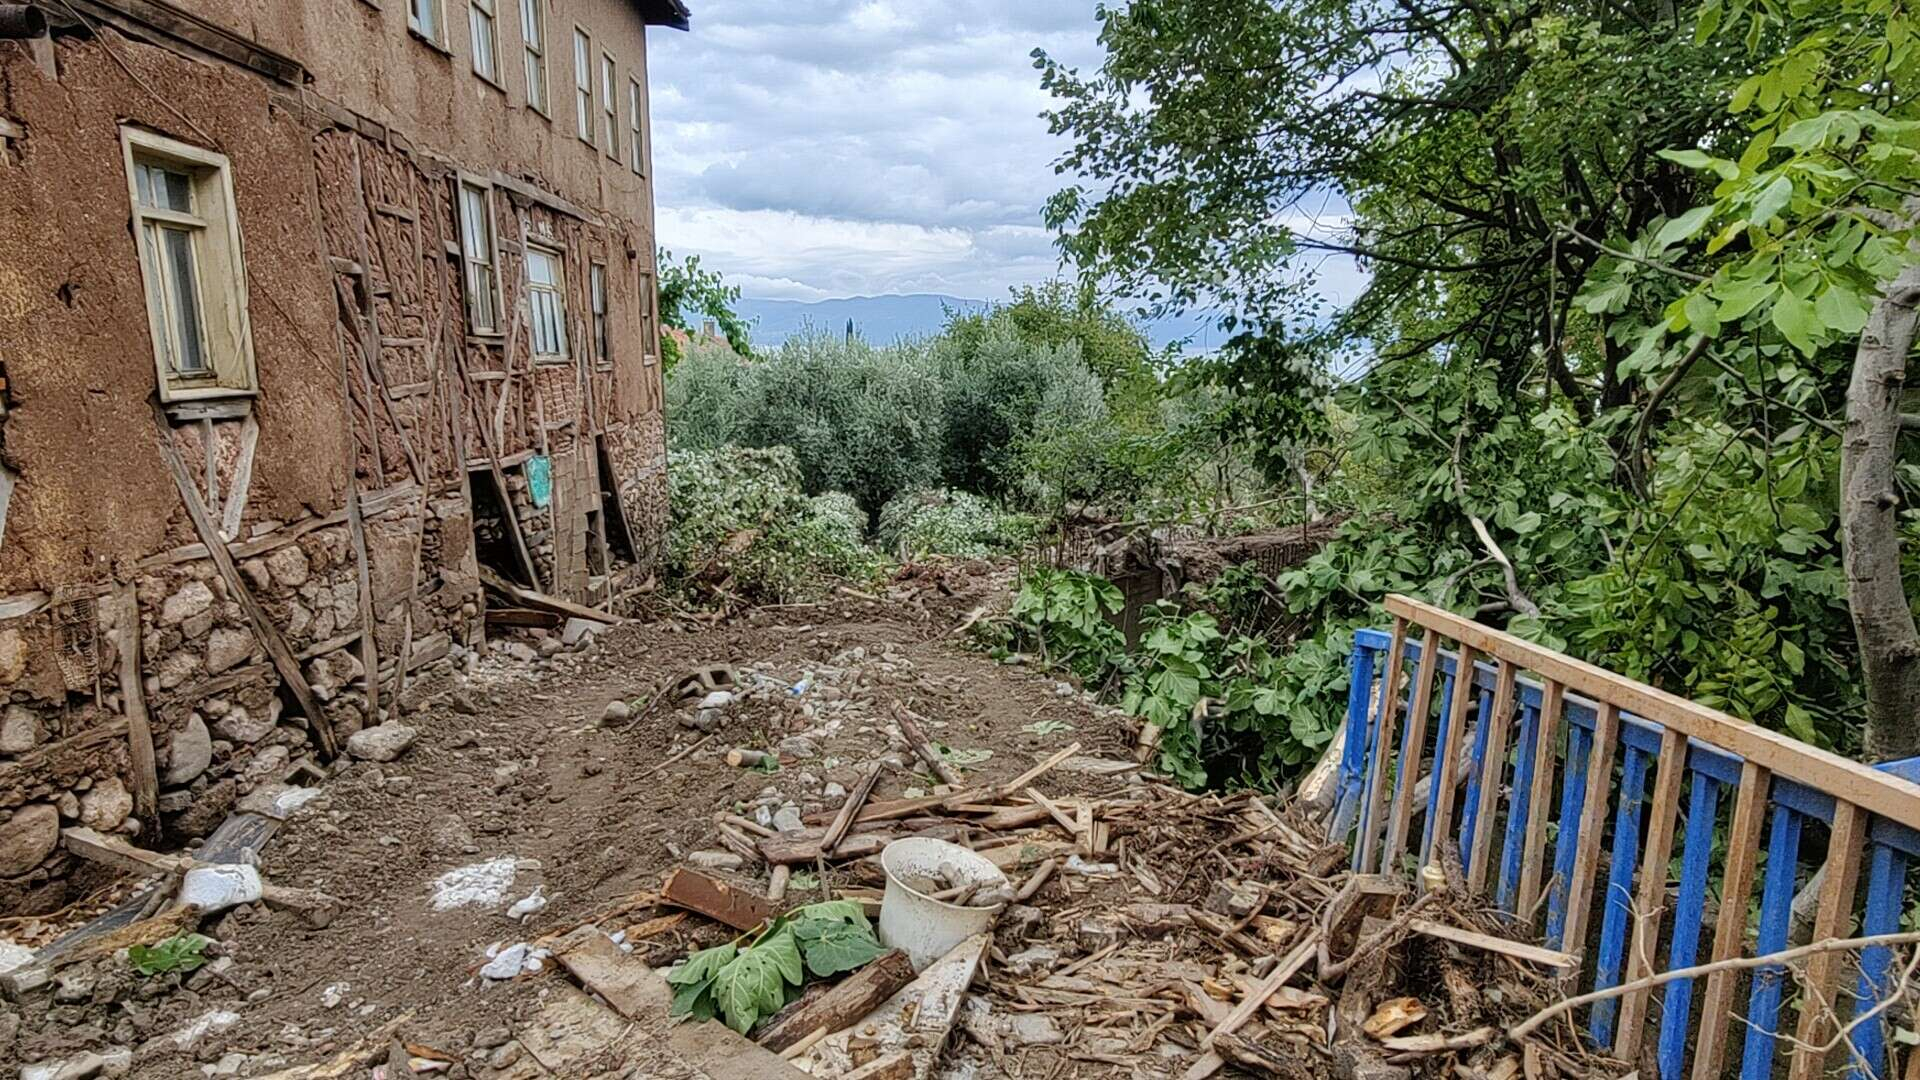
(1712, 776)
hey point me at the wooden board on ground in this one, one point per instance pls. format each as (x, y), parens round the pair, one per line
(916, 1020)
(642, 995)
(716, 899)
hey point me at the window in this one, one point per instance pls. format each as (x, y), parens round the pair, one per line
(597, 294)
(477, 258)
(480, 21)
(546, 288)
(609, 107)
(189, 245)
(583, 85)
(533, 34)
(423, 18)
(649, 324)
(636, 148)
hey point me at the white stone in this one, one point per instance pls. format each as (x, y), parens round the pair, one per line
(13, 656)
(192, 752)
(227, 647)
(107, 805)
(382, 743)
(289, 566)
(578, 629)
(193, 599)
(241, 726)
(483, 884)
(20, 731)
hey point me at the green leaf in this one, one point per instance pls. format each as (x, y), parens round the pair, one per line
(1683, 227)
(1772, 199)
(1527, 522)
(1842, 310)
(841, 947)
(1703, 314)
(1796, 321)
(1692, 159)
(700, 967)
(752, 985)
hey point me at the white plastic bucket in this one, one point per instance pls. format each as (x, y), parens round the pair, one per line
(914, 922)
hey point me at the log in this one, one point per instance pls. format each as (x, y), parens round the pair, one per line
(133, 697)
(918, 740)
(842, 1006)
(716, 899)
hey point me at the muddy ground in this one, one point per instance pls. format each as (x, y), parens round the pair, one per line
(514, 761)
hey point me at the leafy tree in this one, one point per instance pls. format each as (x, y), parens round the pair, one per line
(689, 294)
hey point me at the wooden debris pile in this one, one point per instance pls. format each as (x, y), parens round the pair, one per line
(1150, 933)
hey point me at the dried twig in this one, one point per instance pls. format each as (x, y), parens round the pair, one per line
(1738, 963)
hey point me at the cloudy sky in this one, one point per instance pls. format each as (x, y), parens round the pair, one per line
(811, 149)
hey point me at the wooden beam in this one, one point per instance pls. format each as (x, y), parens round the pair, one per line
(1651, 902)
(1546, 737)
(263, 626)
(1492, 770)
(841, 1007)
(1518, 950)
(1593, 827)
(1820, 1006)
(133, 702)
(1416, 747)
(1379, 776)
(1870, 789)
(1730, 928)
(1446, 757)
(716, 899)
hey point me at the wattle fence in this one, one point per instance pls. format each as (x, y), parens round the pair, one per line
(1617, 778)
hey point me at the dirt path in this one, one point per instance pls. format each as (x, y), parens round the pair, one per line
(514, 769)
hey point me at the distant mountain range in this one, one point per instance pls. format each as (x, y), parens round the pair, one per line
(886, 319)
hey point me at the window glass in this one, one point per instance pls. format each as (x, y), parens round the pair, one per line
(480, 16)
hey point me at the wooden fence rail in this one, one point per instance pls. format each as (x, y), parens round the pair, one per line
(1541, 748)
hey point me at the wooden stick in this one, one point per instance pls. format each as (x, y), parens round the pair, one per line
(1518, 950)
(1377, 939)
(1059, 816)
(1491, 771)
(263, 627)
(1379, 777)
(843, 821)
(1036, 879)
(1416, 746)
(918, 740)
(1286, 969)
(1738, 963)
(1027, 778)
(703, 740)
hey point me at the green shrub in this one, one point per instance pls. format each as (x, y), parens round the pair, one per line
(1000, 390)
(941, 522)
(743, 508)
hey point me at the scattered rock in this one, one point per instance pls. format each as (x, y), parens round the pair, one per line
(74, 985)
(241, 726)
(798, 747)
(578, 630)
(488, 1038)
(460, 700)
(716, 860)
(615, 712)
(192, 752)
(20, 730)
(383, 743)
(106, 805)
(521, 652)
(1032, 1029)
(787, 819)
(289, 566)
(450, 835)
(550, 646)
(227, 647)
(28, 837)
(194, 598)
(1032, 961)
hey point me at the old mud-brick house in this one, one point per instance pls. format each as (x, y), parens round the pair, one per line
(312, 313)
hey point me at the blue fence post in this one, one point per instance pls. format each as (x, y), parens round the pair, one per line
(1696, 860)
(1573, 797)
(1618, 902)
(1776, 915)
(1476, 763)
(1360, 738)
(1518, 809)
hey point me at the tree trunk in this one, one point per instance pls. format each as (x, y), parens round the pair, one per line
(1869, 526)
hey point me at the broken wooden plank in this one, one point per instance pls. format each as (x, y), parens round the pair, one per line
(264, 627)
(1518, 950)
(915, 1020)
(841, 1006)
(716, 899)
(117, 853)
(1065, 820)
(1027, 778)
(1286, 969)
(842, 821)
(519, 616)
(133, 702)
(530, 598)
(917, 739)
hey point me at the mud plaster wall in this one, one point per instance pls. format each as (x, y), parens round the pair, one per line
(79, 364)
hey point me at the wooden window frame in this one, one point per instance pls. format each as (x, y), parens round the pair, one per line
(610, 104)
(636, 127)
(488, 10)
(464, 182)
(649, 317)
(435, 35)
(584, 122)
(600, 314)
(558, 290)
(219, 267)
(534, 48)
